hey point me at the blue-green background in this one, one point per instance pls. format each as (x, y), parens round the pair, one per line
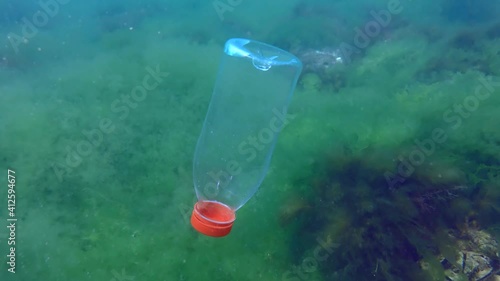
(122, 214)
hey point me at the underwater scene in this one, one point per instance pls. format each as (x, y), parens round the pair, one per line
(342, 140)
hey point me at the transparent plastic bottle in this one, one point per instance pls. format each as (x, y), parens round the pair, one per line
(254, 86)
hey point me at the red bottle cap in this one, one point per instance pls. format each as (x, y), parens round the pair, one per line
(212, 218)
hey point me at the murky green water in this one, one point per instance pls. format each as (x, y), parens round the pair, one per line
(388, 170)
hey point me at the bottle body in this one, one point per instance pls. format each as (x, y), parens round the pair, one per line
(254, 86)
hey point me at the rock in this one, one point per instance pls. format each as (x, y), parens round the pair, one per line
(319, 60)
(477, 257)
(326, 63)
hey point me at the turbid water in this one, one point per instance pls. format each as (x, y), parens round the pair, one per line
(389, 168)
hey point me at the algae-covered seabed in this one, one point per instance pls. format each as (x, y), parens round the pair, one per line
(120, 211)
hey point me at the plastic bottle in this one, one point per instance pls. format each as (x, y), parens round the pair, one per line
(254, 86)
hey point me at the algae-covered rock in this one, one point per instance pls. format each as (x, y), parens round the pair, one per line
(311, 82)
(432, 268)
(477, 257)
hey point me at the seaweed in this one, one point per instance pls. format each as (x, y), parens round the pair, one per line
(384, 233)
